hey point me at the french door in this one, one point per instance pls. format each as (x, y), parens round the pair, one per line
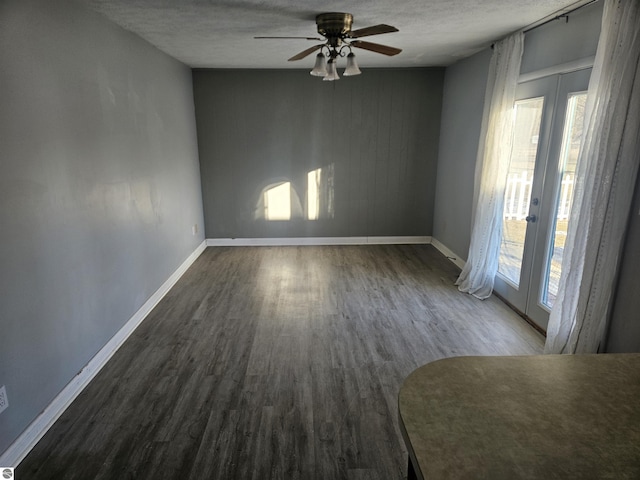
(549, 114)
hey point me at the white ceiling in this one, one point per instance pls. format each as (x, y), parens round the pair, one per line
(219, 33)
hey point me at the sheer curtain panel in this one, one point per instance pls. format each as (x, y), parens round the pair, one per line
(494, 151)
(607, 170)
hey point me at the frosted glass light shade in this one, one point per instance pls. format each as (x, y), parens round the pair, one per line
(320, 68)
(332, 72)
(352, 66)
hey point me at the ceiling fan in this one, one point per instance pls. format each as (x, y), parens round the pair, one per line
(338, 39)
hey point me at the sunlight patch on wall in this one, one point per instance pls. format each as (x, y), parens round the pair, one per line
(277, 202)
(313, 194)
(320, 193)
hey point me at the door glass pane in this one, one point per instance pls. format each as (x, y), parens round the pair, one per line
(518, 190)
(567, 167)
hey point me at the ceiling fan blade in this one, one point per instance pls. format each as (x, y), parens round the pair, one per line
(375, 47)
(297, 38)
(374, 30)
(306, 52)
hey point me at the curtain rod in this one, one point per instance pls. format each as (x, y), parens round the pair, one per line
(558, 17)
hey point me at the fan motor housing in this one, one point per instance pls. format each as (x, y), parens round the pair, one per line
(334, 25)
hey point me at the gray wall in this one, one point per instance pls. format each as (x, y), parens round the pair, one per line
(463, 102)
(378, 132)
(561, 42)
(624, 330)
(99, 188)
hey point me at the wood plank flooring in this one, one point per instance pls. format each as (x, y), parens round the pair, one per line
(275, 363)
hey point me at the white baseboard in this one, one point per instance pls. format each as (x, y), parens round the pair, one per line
(302, 241)
(459, 262)
(36, 430)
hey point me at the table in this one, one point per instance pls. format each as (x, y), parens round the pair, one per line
(533, 417)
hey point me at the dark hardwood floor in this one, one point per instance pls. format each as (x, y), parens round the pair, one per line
(275, 363)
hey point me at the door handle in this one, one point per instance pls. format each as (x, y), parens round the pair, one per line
(531, 218)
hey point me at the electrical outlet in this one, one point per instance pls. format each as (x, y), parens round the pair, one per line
(194, 229)
(4, 400)
(7, 472)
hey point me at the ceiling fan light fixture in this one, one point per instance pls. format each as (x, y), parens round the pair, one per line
(338, 36)
(332, 71)
(320, 68)
(352, 66)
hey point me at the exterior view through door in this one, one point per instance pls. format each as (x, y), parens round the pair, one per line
(549, 114)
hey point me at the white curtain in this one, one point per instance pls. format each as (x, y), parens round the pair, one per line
(492, 164)
(605, 178)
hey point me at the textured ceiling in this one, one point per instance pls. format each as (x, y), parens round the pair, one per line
(219, 33)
